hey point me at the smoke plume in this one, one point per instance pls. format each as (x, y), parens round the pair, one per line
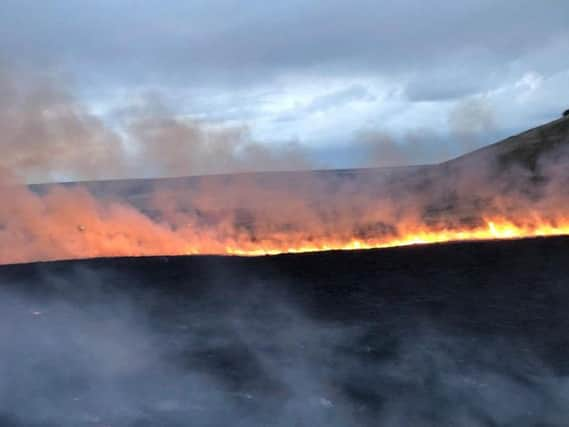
(512, 190)
(48, 135)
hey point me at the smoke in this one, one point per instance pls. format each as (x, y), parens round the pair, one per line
(513, 190)
(49, 135)
(418, 146)
(284, 211)
(92, 358)
(96, 348)
(469, 119)
(46, 134)
(171, 146)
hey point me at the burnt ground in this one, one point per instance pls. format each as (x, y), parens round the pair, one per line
(466, 334)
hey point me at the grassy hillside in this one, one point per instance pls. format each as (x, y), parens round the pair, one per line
(524, 149)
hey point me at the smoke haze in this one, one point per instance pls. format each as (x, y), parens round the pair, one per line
(212, 342)
(514, 189)
(48, 135)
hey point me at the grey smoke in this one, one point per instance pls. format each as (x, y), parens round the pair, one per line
(470, 119)
(49, 135)
(99, 358)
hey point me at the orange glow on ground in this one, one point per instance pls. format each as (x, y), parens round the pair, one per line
(495, 229)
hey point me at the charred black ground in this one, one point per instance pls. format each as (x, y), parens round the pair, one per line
(464, 334)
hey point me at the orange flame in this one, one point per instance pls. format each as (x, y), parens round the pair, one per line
(70, 223)
(494, 229)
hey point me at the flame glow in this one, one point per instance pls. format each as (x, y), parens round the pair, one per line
(73, 223)
(495, 229)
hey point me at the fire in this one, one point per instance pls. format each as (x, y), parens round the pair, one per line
(253, 218)
(514, 189)
(52, 232)
(492, 229)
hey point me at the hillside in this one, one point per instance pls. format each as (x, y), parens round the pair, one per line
(524, 149)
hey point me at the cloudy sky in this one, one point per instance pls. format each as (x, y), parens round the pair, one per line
(433, 79)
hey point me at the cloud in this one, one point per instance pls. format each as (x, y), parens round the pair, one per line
(231, 43)
(353, 93)
(221, 61)
(329, 102)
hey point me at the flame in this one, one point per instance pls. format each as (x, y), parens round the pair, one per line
(72, 223)
(492, 229)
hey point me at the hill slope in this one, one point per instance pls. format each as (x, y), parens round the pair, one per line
(524, 149)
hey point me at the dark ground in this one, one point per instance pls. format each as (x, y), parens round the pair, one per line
(470, 334)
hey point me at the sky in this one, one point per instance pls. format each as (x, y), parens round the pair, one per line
(418, 81)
